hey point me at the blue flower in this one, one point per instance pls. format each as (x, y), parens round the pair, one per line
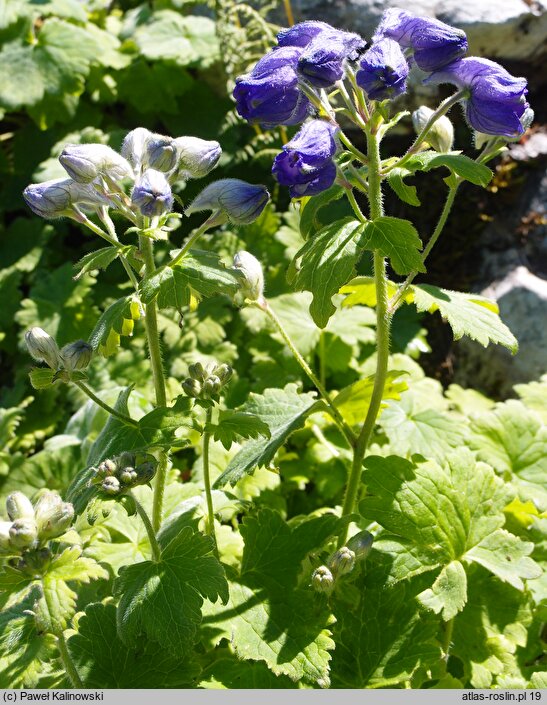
(238, 201)
(383, 70)
(306, 163)
(496, 100)
(323, 60)
(301, 34)
(269, 94)
(152, 194)
(434, 43)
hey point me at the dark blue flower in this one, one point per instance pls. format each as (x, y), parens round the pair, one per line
(323, 60)
(496, 100)
(236, 200)
(152, 194)
(383, 70)
(306, 163)
(269, 94)
(434, 43)
(301, 34)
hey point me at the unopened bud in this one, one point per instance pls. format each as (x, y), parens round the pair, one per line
(86, 162)
(146, 472)
(111, 485)
(342, 561)
(128, 476)
(19, 506)
(42, 347)
(152, 194)
(76, 356)
(252, 286)
(197, 157)
(224, 372)
(441, 134)
(197, 371)
(161, 154)
(56, 522)
(126, 459)
(212, 386)
(238, 201)
(107, 468)
(50, 199)
(191, 387)
(5, 544)
(322, 579)
(361, 544)
(134, 146)
(23, 533)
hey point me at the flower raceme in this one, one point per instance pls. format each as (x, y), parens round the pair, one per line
(306, 163)
(383, 70)
(496, 101)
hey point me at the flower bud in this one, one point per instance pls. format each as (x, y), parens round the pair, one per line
(19, 506)
(49, 503)
(152, 194)
(161, 154)
(128, 476)
(212, 386)
(5, 544)
(197, 157)
(23, 533)
(252, 285)
(85, 162)
(238, 201)
(76, 356)
(441, 134)
(55, 522)
(126, 459)
(191, 387)
(361, 544)
(342, 561)
(111, 485)
(42, 347)
(197, 372)
(322, 580)
(107, 468)
(134, 145)
(50, 199)
(146, 472)
(224, 372)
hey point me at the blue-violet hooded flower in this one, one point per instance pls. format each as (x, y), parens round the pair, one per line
(238, 201)
(434, 43)
(383, 70)
(306, 163)
(152, 194)
(496, 101)
(301, 34)
(323, 60)
(269, 94)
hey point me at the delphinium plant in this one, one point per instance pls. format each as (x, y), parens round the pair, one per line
(366, 593)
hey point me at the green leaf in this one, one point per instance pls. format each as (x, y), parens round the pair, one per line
(230, 672)
(200, 271)
(104, 661)
(273, 616)
(236, 425)
(309, 212)
(383, 639)
(327, 262)
(98, 259)
(405, 192)
(162, 601)
(41, 377)
(467, 314)
(459, 164)
(362, 290)
(435, 515)
(534, 396)
(117, 320)
(353, 401)
(283, 411)
(396, 239)
(448, 594)
(512, 439)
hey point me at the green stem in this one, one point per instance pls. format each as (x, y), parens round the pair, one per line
(361, 102)
(383, 323)
(401, 291)
(322, 360)
(349, 145)
(357, 119)
(152, 335)
(207, 480)
(109, 409)
(68, 663)
(154, 545)
(448, 630)
(84, 220)
(443, 108)
(353, 202)
(337, 416)
(107, 220)
(215, 219)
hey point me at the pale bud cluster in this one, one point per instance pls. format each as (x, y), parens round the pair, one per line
(342, 562)
(43, 348)
(117, 475)
(30, 527)
(206, 381)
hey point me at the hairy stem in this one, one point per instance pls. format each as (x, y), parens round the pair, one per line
(109, 409)
(107, 220)
(152, 335)
(215, 219)
(337, 416)
(207, 480)
(154, 545)
(68, 663)
(401, 291)
(383, 323)
(448, 630)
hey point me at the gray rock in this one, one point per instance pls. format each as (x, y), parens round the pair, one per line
(513, 30)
